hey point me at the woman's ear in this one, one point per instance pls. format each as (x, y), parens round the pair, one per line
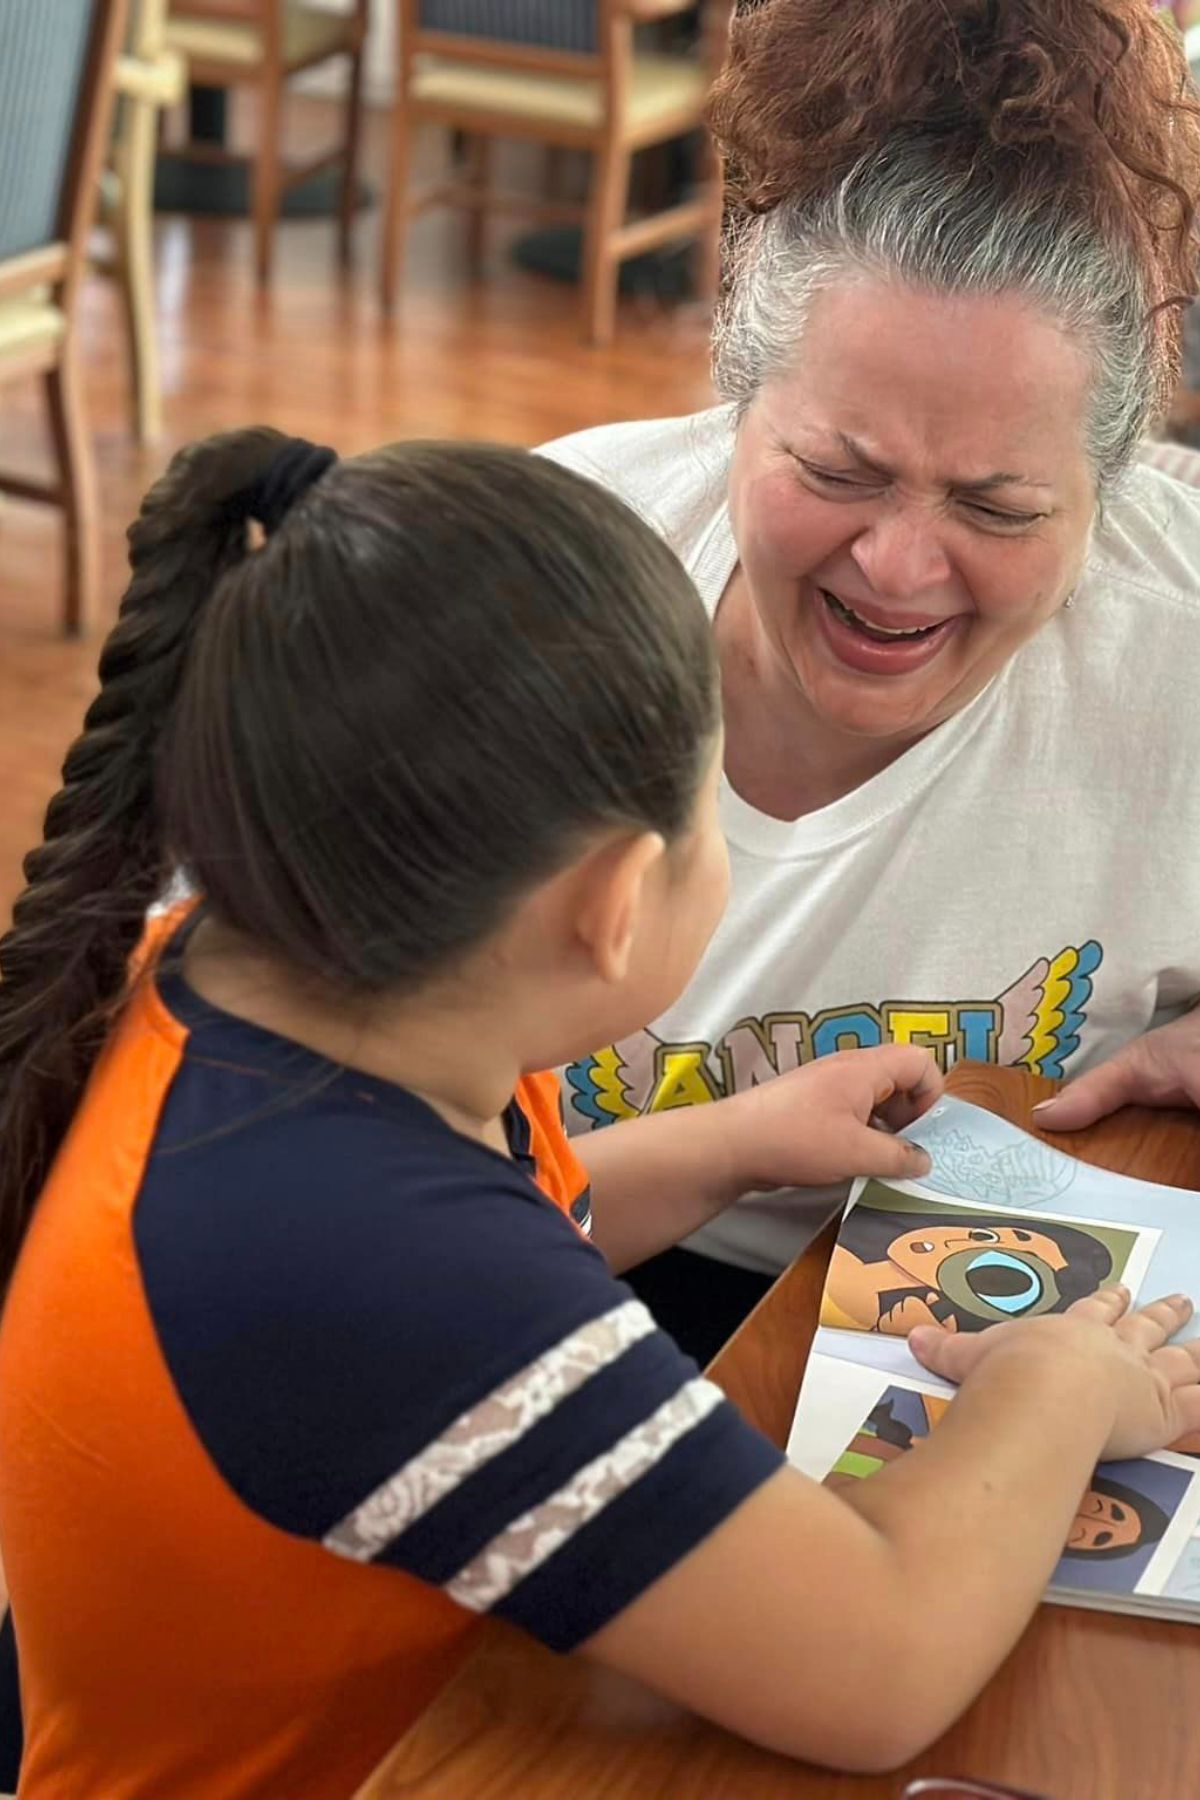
(612, 894)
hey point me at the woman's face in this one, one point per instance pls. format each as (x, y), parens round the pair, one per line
(911, 502)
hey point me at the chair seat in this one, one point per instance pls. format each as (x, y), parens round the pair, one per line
(28, 322)
(309, 35)
(660, 87)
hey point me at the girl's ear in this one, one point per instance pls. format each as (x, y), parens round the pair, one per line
(612, 898)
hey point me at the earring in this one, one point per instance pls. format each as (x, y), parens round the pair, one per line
(1069, 602)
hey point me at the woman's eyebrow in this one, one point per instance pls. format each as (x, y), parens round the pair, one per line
(1001, 478)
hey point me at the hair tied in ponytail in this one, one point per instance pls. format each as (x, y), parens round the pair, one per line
(291, 473)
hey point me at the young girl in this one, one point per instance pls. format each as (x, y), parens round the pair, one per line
(307, 1361)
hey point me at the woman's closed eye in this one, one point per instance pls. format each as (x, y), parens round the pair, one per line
(995, 518)
(853, 484)
(846, 480)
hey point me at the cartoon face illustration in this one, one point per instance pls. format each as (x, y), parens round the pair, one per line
(1113, 1520)
(893, 1270)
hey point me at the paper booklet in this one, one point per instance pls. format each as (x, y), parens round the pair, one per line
(1004, 1227)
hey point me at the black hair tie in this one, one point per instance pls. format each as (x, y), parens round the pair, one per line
(289, 474)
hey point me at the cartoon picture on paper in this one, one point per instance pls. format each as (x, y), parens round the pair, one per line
(904, 1260)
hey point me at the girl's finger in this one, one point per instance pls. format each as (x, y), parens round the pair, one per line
(1178, 1364)
(872, 1152)
(1150, 1326)
(951, 1354)
(1105, 1306)
(905, 1070)
(1185, 1412)
(903, 1109)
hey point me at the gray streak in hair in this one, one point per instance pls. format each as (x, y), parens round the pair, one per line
(907, 214)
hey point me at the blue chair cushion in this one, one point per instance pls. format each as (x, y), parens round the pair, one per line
(552, 24)
(43, 49)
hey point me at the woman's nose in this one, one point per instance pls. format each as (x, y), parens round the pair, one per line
(901, 553)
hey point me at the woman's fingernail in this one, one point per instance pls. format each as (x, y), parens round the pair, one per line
(1043, 1104)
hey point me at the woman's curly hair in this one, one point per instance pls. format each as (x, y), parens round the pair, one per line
(1077, 117)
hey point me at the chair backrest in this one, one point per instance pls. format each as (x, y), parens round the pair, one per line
(56, 66)
(586, 38)
(550, 24)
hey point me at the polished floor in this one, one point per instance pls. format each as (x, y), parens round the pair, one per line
(498, 358)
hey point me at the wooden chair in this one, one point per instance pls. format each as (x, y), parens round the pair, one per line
(585, 83)
(263, 44)
(149, 79)
(56, 80)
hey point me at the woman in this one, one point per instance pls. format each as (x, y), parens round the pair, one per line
(957, 622)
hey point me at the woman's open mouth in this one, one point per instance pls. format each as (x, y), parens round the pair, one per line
(871, 648)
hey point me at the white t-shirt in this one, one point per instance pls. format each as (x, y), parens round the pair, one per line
(1022, 886)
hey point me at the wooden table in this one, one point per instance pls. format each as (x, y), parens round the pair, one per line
(1089, 1706)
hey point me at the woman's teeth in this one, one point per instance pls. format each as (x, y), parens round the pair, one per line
(882, 632)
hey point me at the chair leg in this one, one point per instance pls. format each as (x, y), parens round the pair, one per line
(268, 167)
(478, 166)
(396, 209)
(350, 156)
(77, 477)
(606, 212)
(134, 232)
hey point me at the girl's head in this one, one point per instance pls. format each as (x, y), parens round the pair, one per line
(459, 705)
(961, 239)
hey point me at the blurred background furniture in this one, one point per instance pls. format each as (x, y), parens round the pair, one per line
(569, 74)
(57, 60)
(149, 79)
(262, 44)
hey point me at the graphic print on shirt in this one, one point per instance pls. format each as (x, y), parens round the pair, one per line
(1035, 1024)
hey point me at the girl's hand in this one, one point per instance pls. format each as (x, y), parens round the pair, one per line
(1154, 1384)
(832, 1119)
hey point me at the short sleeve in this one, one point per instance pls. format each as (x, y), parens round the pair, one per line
(391, 1342)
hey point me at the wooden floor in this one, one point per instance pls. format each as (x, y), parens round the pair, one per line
(498, 359)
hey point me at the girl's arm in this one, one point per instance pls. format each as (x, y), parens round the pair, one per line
(656, 1179)
(852, 1629)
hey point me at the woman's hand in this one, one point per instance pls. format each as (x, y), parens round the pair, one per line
(1154, 1384)
(833, 1119)
(1160, 1068)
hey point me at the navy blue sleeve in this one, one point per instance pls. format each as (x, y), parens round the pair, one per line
(389, 1341)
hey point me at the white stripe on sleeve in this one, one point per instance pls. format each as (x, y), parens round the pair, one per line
(486, 1430)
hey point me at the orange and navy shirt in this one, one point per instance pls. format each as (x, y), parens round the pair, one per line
(297, 1384)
